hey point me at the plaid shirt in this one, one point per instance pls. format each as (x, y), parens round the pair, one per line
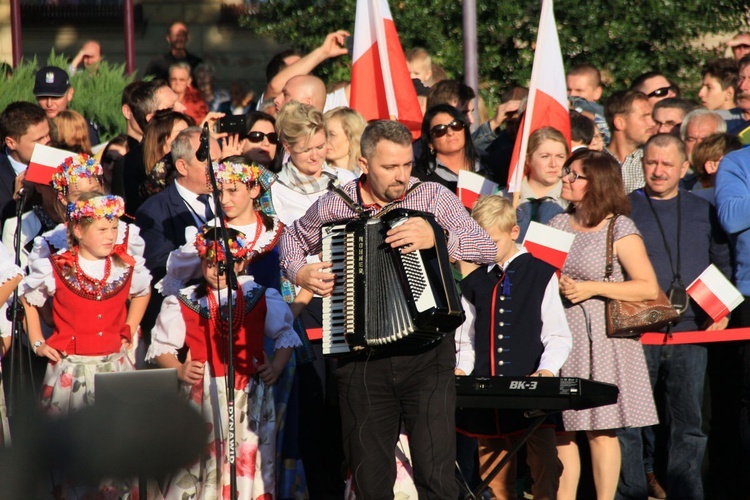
(466, 240)
(632, 170)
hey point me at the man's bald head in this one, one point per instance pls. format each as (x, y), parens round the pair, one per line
(307, 89)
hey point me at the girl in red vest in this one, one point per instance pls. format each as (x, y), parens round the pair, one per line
(196, 318)
(99, 294)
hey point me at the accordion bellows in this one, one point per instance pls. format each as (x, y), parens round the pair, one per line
(384, 298)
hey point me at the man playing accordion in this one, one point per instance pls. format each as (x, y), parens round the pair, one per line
(378, 389)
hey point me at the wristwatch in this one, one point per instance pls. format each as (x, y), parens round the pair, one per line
(37, 344)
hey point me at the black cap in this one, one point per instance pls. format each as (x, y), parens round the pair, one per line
(51, 81)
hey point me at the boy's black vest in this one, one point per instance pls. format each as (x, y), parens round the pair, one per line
(507, 335)
(507, 329)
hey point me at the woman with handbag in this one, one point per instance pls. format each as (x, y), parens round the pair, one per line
(593, 185)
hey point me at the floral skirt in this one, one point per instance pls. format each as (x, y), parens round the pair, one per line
(69, 384)
(255, 437)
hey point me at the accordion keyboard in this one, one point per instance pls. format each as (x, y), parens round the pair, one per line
(333, 306)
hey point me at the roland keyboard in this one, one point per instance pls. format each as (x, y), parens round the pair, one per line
(533, 393)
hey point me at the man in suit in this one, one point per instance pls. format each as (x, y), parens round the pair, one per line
(22, 126)
(164, 217)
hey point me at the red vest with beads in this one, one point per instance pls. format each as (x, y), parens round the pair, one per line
(207, 344)
(89, 322)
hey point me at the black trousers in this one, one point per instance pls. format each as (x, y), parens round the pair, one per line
(376, 394)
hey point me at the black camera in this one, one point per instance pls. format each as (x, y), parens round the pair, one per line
(233, 124)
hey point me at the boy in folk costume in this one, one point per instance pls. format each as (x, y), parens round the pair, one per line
(515, 326)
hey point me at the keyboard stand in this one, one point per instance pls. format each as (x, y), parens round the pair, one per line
(537, 418)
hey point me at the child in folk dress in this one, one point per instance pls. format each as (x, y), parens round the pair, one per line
(77, 175)
(240, 192)
(197, 318)
(99, 294)
(10, 277)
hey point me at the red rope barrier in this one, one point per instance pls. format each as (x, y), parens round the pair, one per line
(700, 337)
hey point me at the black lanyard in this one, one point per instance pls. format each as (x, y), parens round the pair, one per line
(676, 277)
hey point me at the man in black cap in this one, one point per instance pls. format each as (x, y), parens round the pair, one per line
(53, 93)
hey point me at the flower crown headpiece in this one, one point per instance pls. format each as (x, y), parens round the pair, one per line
(100, 207)
(231, 172)
(211, 247)
(73, 168)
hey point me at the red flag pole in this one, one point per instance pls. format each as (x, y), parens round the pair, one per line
(129, 28)
(15, 29)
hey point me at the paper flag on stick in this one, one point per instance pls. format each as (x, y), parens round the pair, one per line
(471, 186)
(44, 163)
(714, 293)
(548, 244)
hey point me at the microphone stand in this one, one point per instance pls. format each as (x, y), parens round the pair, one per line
(15, 315)
(227, 268)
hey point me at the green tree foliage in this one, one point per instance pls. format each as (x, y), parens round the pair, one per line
(623, 37)
(97, 96)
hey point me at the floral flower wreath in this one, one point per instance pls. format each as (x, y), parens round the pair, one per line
(73, 168)
(100, 207)
(232, 172)
(211, 247)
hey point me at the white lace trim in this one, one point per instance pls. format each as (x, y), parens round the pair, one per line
(157, 349)
(57, 237)
(36, 297)
(8, 271)
(169, 285)
(287, 339)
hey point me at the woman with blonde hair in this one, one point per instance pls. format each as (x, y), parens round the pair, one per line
(344, 128)
(304, 174)
(71, 132)
(304, 177)
(541, 186)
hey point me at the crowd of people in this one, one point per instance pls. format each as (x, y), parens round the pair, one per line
(116, 255)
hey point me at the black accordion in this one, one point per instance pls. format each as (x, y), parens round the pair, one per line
(383, 298)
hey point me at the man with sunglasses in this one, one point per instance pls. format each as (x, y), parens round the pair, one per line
(628, 114)
(380, 390)
(655, 85)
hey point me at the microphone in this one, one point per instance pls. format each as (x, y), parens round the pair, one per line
(202, 153)
(20, 201)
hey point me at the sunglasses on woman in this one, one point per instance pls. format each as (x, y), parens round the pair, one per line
(441, 130)
(257, 137)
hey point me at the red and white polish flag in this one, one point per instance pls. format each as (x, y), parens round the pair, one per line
(381, 85)
(547, 105)
(548, 244)
(471, 186)
(714, 293)
(44, 162)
